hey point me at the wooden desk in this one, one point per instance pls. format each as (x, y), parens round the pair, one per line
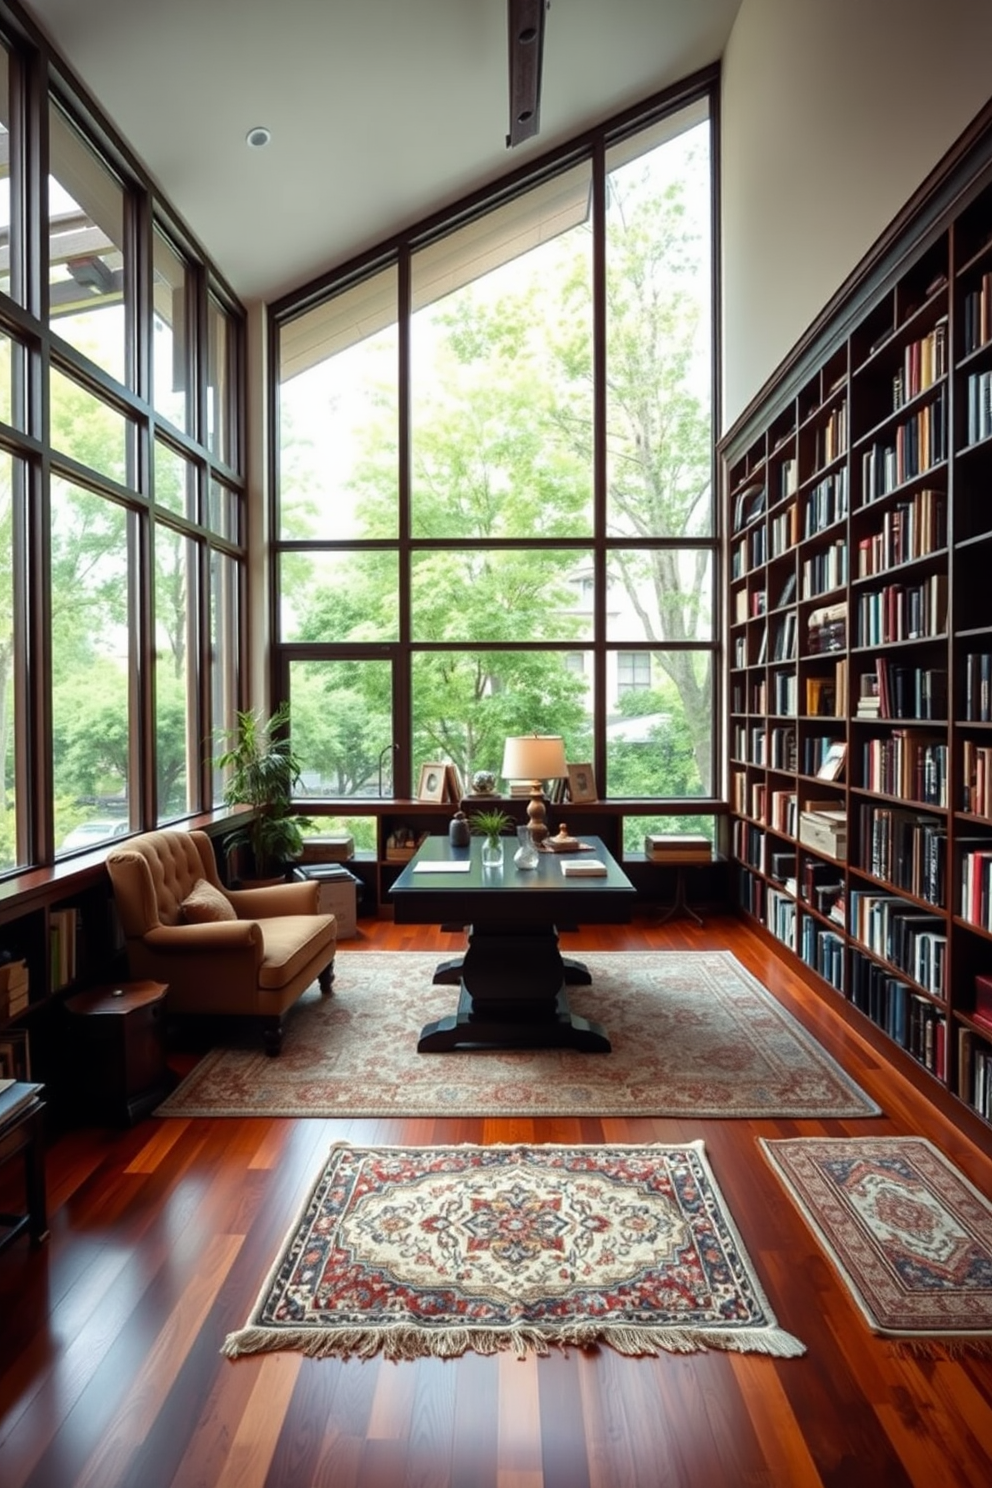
(23, 1131)
(512, 975)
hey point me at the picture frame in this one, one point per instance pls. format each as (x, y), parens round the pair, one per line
(582, 783)
(833, 762)
(15, 1054)
(433, 782)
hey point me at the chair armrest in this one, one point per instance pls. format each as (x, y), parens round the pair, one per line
(222, 936)
(274, 900)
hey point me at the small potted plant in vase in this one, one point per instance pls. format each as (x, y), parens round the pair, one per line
(491, 825)
(264, 772)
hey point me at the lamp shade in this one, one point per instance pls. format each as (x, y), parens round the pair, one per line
(534, 757)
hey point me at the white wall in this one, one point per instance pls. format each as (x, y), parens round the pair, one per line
(833, 113)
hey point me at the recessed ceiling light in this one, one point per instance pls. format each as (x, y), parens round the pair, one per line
(258, 137)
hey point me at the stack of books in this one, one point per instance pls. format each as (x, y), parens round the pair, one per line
(13, 989)
(675, 847)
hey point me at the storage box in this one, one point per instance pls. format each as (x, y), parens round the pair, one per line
(826, 831)
(338, 894)
(332, 847)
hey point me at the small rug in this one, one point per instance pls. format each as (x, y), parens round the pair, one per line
(909, 1235)
(693, 1034)
(432, 1251)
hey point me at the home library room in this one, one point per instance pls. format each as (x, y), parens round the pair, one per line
(857, 492)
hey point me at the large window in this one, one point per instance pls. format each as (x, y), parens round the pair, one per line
(495, 505)
(121, 487)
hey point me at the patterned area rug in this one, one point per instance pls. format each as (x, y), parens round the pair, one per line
(693, 1034)
(417, 1251)
(909, 1235)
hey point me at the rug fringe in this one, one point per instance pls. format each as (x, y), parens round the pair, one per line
(418, 1343)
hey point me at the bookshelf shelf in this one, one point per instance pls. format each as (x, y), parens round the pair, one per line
(871, 642)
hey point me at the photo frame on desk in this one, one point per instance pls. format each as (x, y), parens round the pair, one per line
(582, 783)
(433, 782)
(15, 1054)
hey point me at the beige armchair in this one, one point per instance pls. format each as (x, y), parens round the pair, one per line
(247, 953)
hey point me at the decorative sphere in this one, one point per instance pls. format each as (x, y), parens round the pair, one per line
(483, 782)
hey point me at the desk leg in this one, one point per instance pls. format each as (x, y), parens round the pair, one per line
(681, 905)
(513, 995)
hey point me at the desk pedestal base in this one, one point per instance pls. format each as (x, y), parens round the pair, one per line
(513, 995)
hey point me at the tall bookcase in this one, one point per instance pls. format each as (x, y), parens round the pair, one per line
(858, 500)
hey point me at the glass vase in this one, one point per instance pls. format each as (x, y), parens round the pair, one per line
(526, 854)
(492, 852)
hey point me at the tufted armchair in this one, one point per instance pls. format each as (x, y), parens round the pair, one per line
(247, 953)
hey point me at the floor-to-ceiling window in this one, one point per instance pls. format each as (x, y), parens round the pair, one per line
(494, 498)
(121, 484)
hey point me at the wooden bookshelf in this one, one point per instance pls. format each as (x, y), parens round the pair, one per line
(857, 499)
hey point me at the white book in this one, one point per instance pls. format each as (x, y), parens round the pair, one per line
(584, 868)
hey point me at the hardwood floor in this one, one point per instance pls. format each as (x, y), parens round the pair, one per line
(161, 1236)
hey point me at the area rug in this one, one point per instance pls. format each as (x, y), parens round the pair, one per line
(414, 1251)
(910, 1237)
(693, 1034)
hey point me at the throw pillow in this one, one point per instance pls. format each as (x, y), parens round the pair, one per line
(204, 903)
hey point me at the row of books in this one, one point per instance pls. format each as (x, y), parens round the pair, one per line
(924, 363)
(64, 935)
(975, 1071)
(902, 612)
(783, 530)
(906, 849)
(912, 1020)
(979, 404)
(906, 764)
(896, 691)
(976, 884)
(749, 505)
(912, 529)
(976, 769)
(825, 570)
(830, 438)
(826, 503)
(978, 315)
(15, 986)
(978, 686)
(823, 950)
(919, 444)
(906, 937)
(781, 917)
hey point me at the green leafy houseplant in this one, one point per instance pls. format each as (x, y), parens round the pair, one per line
(490, 824)
(264, 771)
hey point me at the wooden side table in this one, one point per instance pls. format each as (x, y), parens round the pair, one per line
(23, 1131)
(119, 1057)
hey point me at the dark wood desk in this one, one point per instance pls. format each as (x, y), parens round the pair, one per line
(512, 975)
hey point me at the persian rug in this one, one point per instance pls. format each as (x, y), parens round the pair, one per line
(693, 1034)
(910, 1237)
(416, 1251)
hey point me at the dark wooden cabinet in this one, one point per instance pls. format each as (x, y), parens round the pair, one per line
(116, 1049)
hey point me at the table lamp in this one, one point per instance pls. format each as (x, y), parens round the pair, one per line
(535, 757)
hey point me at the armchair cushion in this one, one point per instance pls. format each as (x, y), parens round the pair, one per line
(204, 904)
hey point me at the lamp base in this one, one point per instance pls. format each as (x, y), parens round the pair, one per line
(536, 814)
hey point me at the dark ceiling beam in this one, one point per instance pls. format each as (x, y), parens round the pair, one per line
(525, 26)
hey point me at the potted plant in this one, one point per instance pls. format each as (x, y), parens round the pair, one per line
(264, 771)
(491, 825)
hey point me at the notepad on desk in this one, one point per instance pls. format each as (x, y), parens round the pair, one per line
(455, 865)
(583, 868)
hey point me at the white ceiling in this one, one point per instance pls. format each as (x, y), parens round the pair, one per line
(381, 111)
